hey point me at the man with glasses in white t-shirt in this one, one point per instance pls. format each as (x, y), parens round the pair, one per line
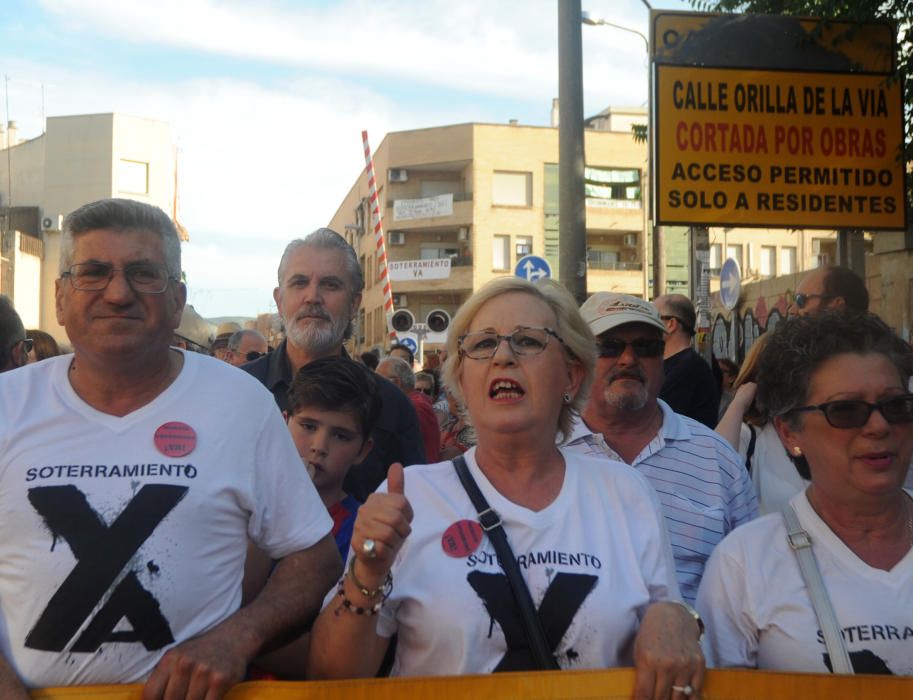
(132, 475)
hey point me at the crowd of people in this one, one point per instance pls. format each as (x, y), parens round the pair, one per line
(558, 488)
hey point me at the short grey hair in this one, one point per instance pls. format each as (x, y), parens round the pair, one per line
(579, 343)
(121, 216)
(236, 338)
(327, 238)
(402, 370)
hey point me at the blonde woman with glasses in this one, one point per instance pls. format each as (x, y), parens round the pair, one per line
(592, 580)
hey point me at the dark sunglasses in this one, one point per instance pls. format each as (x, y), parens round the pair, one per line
(643, 347)
(855, 413)
(253, 355)
(803, 299)
(28, 344)
(429, 392)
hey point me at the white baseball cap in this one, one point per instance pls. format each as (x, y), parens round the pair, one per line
(606, 310)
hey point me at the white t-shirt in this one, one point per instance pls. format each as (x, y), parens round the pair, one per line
(593, 560)
(111, 551)
(758, 614)
(772, 472)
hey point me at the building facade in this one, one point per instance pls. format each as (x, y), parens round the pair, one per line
(462, 204)
(77, 160)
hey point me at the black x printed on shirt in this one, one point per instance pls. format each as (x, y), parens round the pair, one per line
(102, 552)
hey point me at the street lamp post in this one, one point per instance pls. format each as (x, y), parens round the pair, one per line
(571, 197)
(659, 253)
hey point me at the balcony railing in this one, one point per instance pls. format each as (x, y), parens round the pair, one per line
(610, 265)
(457, 197)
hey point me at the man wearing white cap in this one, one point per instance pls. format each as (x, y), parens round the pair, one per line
(704, 490)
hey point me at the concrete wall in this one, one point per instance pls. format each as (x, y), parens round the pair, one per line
(26, 162)
(27, 281)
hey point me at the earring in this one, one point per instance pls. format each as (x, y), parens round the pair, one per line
(567, 397)
(797, 451)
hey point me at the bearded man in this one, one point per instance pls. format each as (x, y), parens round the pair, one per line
(319, 292)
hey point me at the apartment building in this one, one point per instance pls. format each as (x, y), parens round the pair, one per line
(462, 204)
(77, 160)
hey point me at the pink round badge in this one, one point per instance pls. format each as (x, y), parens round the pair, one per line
(175, 439)
(461, 539)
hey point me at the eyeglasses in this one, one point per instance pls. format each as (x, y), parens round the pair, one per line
(642, 347)
(143, 277)
(27, 343)
(855, 413)
(482, 345)
(253, 355)
(803, 299)
(424, 390)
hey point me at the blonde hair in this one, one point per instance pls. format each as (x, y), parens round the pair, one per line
(579, 343)
(749, 373)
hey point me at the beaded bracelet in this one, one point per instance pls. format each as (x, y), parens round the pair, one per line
(383, 589)
(351, 607)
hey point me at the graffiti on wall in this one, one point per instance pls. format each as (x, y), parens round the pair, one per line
(733, 335)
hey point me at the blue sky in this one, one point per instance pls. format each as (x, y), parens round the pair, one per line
(266, 99)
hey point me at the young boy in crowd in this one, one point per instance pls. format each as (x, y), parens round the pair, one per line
(333, 407)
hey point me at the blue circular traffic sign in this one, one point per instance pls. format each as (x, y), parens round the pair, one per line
(730, 283)
(409, 343)
(532, 268)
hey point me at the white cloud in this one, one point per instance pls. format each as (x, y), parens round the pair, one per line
(478, 47)
(270, 156)
(495, 48)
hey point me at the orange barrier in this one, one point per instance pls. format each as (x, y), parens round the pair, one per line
(547, 685)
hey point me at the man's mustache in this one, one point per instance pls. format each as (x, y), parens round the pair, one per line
(628, 374)
(312, 312)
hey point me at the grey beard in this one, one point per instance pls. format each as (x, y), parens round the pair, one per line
(318, 340)
(627, 401)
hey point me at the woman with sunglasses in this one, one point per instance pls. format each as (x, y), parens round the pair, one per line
(835, 385)
(589, 543)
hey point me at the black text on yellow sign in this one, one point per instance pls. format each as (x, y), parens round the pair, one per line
(765, 148)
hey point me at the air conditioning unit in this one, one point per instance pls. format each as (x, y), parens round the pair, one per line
(630, 240)
(463, 234)
(400, 300)
(397, 238)
(51, 222)
(397, 175)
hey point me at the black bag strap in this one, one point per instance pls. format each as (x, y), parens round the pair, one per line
(751, 442)
(491, 524)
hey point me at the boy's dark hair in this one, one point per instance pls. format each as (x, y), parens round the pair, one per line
(337, 384)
